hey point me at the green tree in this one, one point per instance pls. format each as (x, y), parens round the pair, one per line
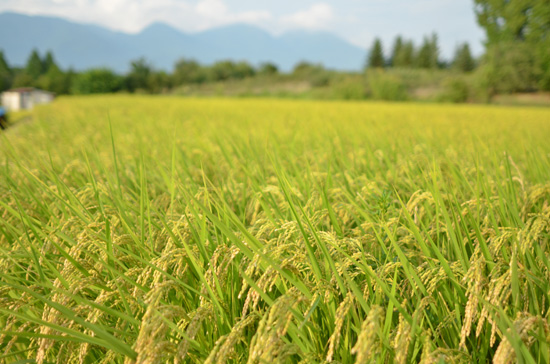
(55, 81)
(508, 67)
(159, 82)
(268, 69)
(48, 63)
(385, 86)
(396, 51)
(403, 53)
(376, 56)
(515, 22)
(511, 20)
(34, 67)
(225, 70)
(221, 71)
(305, 69)
(22, 79)
(188, 71)
(243, 70)
(405, 58)
(139, 77)
(539, 36)
(428, 54)
(99, 80)
(315, 74)
(6, 74)
(463, 59)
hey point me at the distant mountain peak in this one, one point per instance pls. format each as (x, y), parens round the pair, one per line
(83, 46)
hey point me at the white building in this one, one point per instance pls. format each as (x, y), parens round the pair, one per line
(25, 98)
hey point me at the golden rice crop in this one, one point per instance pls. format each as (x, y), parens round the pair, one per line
(139, 229)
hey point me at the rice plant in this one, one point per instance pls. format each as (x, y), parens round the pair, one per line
(141, 229)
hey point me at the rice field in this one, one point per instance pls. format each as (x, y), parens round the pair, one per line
(139, 229)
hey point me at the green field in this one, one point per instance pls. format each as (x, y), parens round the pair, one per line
(141, 229)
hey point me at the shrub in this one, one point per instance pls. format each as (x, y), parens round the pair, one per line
(349, 89)
(456, 90)
(384, 86)
(96, 81)
(509, 67)
(315, 74)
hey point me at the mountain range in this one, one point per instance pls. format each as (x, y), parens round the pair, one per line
(83, 46)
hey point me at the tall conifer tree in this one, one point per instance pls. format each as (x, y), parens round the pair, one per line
(376, 56)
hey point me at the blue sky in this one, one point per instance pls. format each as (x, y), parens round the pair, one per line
(358, 21)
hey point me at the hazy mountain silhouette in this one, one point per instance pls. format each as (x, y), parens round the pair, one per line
(82, 46)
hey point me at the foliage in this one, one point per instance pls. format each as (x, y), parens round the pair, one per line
(428, 54)
(515, 20)
(43, 73)
(306, 69)
(243, 70)
(160, 82)
(327, 232)
(315, 74)
(6, 73)
(418, 74)
(35, 66)
(268, 69)
(188, 71)
(22, 79)
(456, 90)
(56, 81)
(349, 88)
(396, 51)
(376, 55)
(404, 56)
(139, 77)
(509, 67)
(48, 63)
(463, 60)
(97, 81)
(386, 86)
(522, 26)
(227, 70)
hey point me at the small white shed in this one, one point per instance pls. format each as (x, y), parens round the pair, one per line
(25, 98)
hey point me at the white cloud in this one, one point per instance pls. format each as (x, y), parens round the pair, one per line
(216, 12)
(316, 17)
(134, 15)
(254, 17)
(212, 9)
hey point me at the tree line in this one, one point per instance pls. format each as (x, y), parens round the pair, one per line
(44, 72)
(404, 54)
